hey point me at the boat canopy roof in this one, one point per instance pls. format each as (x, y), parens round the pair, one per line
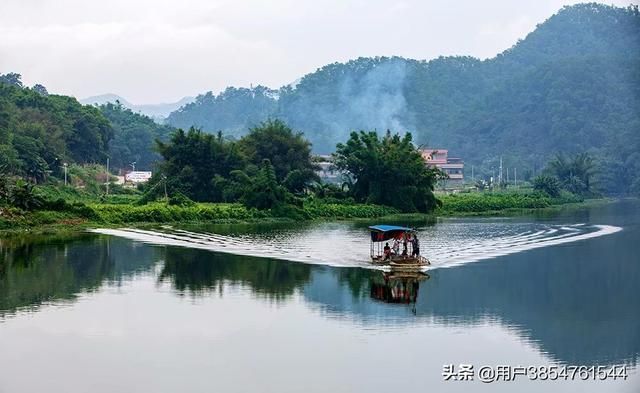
(380, 233)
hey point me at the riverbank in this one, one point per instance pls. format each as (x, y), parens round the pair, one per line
(504, 203)
(73, 216)
(77, 216)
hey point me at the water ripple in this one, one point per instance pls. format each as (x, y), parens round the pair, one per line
(446, 244)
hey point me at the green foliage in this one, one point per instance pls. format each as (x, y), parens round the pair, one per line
(214, 113)
(19, 194)
(321, 209)
(192, 160)
(388, 171)
(39, 132)
(482, 202)
(327, 191)
(179, 199)
(206, 167)
(575, 173)
(288, 152)
(134, 137)
(160, 212)
(547, 184)
(264, 191)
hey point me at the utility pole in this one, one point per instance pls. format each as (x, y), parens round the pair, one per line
(65, 165)
(507, 175)
(107, 175)
(473, 179)
(515, 176)
(164, 180)
(500, 172)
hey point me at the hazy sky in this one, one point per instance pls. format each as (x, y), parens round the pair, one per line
(153, 51)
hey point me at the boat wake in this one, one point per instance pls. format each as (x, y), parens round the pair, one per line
(446, 244)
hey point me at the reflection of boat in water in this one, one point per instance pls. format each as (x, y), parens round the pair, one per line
(397, 287)
(401, 237)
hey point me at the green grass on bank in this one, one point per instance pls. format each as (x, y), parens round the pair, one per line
(488, 202)
(78, 213)
(69, 208)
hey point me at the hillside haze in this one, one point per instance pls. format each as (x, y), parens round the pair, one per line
(156, 111)
(571, 85)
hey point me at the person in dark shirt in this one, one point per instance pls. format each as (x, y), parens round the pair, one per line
(387, 251)
(415, 243)
(405, 247)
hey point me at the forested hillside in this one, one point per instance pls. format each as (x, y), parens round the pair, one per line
(39, 132)
(572, 85)
(235, 110)
(134, 137)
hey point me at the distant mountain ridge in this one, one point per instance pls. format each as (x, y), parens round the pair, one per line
(571, 85)
(157, 112)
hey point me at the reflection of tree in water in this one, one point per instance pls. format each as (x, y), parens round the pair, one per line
(36, 270)
(201, 272)
(356, 280)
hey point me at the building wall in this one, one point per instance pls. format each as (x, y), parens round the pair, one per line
(439, 158)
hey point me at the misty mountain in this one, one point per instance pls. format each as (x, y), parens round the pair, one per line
(158, 112)
(572, 85)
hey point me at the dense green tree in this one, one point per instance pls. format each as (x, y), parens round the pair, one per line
(574, 173)
(264, 191)
(12, 79)
(288, 152)
(547, 184)
(193, 160)
(40, 89)
(388, 171)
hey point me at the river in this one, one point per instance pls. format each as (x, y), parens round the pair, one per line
(296, 307)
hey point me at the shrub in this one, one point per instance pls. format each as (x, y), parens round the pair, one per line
(547, 184)
(179, 199)
(316, 209)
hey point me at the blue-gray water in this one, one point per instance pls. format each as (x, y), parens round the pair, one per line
(158, 311)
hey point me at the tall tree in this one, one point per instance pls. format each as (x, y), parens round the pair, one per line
(289, 152)
(573, 173)
(194, 159)
(388, 171)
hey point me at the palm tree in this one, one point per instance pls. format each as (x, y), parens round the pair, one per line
(575, 173)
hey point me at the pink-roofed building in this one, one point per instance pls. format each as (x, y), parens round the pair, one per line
(439, 158)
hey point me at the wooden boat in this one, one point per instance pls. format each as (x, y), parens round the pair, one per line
(401, 256)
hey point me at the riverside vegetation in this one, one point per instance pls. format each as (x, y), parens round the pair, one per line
(267, 174)
(55, 206)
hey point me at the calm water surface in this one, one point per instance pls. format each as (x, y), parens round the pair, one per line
(164, 311)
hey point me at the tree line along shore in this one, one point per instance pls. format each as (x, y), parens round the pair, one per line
(386, 177)
(50, 176)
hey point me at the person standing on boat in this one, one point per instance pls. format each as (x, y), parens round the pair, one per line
(387, 251)
(405, 248)
(396, 247)
(415, 244)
